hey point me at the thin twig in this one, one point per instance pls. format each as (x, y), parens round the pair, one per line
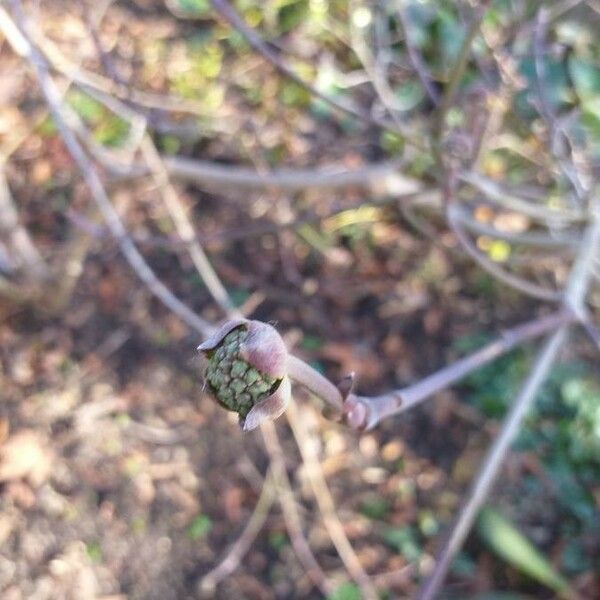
(279, 478)
(546, 109)
(171, 199)
(105, 58)
(582, 270)
(26, 49)
(185, 229)
(236, 552)
(27, 253)
(415, 56)
(380, 178)
(290, 509)
(142, 98)
(376, 76)
(459, 67)
(593, 332)
(326, 504)
(107, 86)
(19, 136)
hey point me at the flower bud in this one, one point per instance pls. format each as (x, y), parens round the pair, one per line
(246, 370)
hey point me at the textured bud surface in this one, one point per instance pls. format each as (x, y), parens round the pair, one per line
(236, 384)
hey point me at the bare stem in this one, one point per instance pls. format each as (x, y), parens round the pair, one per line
(506, 199)
(379, 176)
(319, 385)
(426, 197)
(374, 409)
(570, 239)
(582, 269)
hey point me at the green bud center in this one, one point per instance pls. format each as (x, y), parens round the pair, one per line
(237, 385)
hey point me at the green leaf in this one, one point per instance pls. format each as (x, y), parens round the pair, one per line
(391, 142)
(572, 496)
(408, 95)
(591, 117)
(277, 540)
(403, 540)
(108, 128)
(500, 596)
(463, 565)
(554, 82)
(94, 551)
(375, 508)
(586, 77)
(582, 394)
(450, 35)
(575, 559)
(85, 106)
(199, 527)
(292, 14)
(428, 524)
(503, 538)
(292, 94)
(195, 7)
(346, 591)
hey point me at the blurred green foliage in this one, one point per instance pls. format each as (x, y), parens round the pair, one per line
(346, 591)
(405, 541)
(196, 8)
(107, 128)
(94, 551)
(199, 527)
(500, 596)
(278, 540)
(375, 508)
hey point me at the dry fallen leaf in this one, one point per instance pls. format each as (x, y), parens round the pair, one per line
(25, 455)
(4, 429)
